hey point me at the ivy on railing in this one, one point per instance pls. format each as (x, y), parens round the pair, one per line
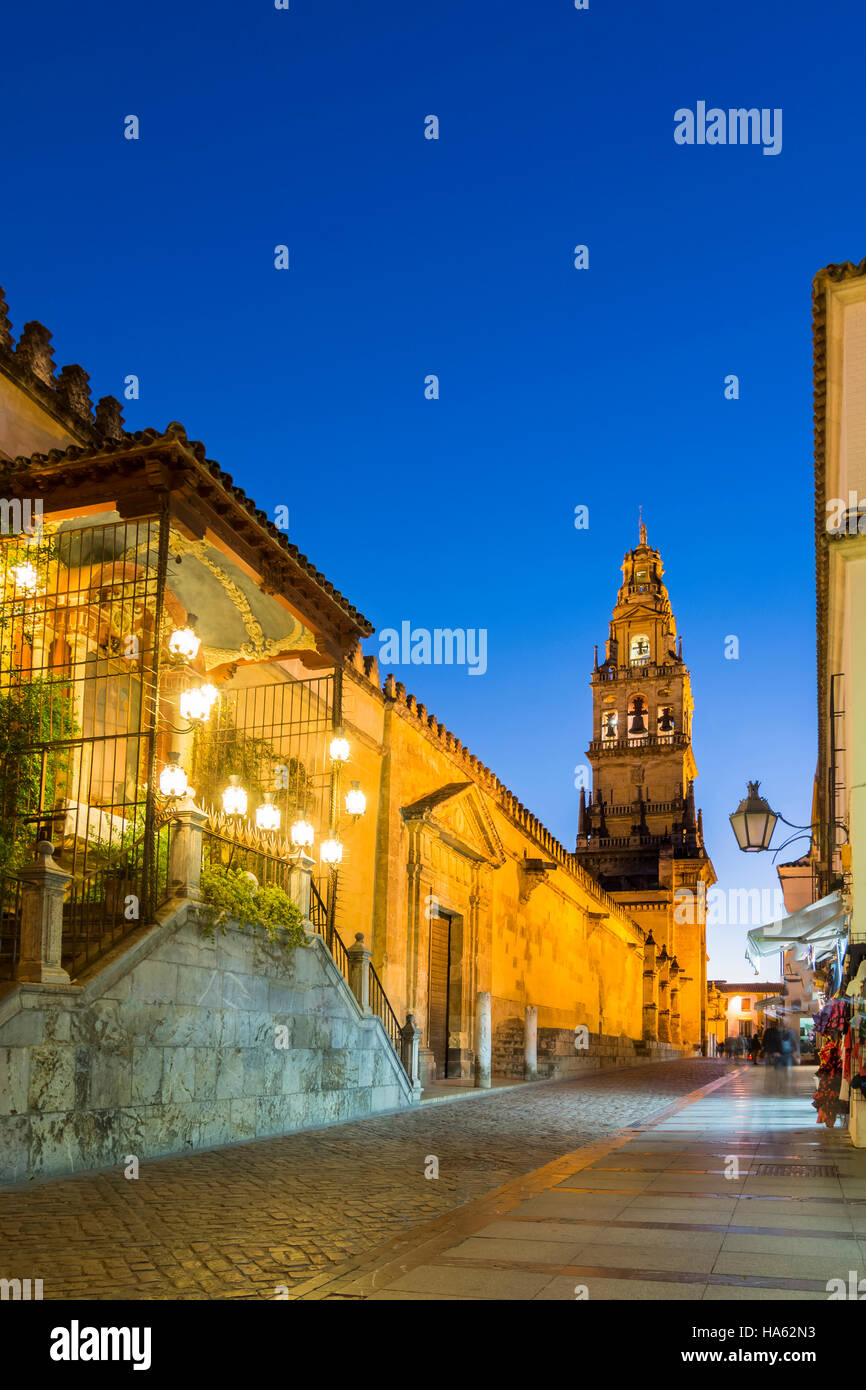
(234, 895)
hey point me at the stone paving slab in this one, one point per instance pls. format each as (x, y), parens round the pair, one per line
(242, 1222)
(781, 1240)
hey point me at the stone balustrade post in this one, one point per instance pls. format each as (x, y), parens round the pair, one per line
(530, 1043)
(359, 971)
(186, 844)
(410, 1041)
(43, 886)
(484, 1039)
(300, 882)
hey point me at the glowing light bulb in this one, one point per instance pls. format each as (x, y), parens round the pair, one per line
(234, 798)
(302, 833)
(184, 643)
(172, 779)
(268, 815)
(339, 749)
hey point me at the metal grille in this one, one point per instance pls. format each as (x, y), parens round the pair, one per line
(79, 668)
(796, 1170)
(275, 737)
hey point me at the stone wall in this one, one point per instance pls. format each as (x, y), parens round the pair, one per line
(558, 1056)
(173, 1045)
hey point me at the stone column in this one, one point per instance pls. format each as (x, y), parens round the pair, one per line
(676, 1034)
(410, 1036)
(483, 1039)
(300, 882)
(359, 971)
(650, 1003)
(189, 821)
(43, 886)
(663, 961)
(530, 1043)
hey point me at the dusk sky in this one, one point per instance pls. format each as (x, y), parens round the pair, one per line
(455, 257)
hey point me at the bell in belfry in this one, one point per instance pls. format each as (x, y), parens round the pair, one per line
(666, 720)
(638, 723)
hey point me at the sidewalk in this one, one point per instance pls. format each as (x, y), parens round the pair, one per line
(651, 1213)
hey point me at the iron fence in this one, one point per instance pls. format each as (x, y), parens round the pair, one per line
(275, 738)
(80, 610)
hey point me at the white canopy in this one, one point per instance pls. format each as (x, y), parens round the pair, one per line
(819, 925)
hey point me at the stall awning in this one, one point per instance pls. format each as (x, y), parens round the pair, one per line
(819, 925)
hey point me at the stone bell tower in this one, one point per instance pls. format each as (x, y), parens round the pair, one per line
(639, 833)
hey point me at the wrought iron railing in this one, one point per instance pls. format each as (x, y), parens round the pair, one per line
(379, 1005)
(10, 924)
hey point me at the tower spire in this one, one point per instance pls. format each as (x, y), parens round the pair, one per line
(641, 525)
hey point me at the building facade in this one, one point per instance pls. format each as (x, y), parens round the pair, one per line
(156, 625)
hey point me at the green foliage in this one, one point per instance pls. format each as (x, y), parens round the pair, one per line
(231, 896)
(35, 712)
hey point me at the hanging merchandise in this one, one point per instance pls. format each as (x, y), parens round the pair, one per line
(827, 1100)
(834, 1018)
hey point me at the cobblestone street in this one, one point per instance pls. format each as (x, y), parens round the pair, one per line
(239, 1222)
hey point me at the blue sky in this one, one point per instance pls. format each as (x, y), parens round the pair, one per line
(408, 257)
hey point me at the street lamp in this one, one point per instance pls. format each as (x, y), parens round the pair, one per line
(26, 578)
(356, 801)
(331, 852)
(234, 797)
(172, 779)
(268, 815)
(754, 821)
(183, 643)
(302, 833)
(339, 749)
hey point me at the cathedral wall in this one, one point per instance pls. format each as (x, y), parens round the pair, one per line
(527, 937)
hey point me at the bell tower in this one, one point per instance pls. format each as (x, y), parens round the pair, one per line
(639, 834)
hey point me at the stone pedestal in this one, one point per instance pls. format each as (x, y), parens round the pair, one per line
(484, 1039)
(44, 884)
(359, 971)
(530, 1044)
(300, 882)
(189, 822)
(426, 1066)
(410, 1039)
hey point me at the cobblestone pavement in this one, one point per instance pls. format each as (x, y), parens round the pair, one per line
(238, 1222)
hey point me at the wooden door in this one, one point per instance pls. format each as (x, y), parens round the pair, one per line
(437, 992)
